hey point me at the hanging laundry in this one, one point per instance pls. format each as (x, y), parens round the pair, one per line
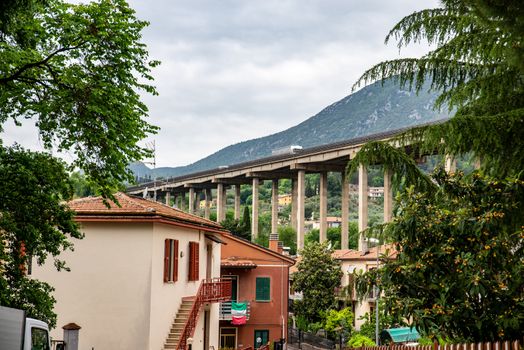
(238, 309)
(238, 320)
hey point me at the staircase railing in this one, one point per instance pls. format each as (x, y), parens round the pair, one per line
(210, 291)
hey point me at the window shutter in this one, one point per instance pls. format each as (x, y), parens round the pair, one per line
(175, 261)
(193, 261)
(166, 260)
(263, 289)
(196, 261)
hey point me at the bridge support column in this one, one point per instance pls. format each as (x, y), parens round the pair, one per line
(207, 199)
(168, 198)
(294, 195)
(237, 202)
(254, 209)
(388, 196)
(301, 196)
(450, 164)
(274, 207)
(344, 229)
(323, 206)
(191, 200)
(221, 208)
(183, 201)
(362, 206)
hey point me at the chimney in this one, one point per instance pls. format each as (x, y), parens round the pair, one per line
(274, 244)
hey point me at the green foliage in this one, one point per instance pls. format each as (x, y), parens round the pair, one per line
(478, 65)
(77, 70)
(288, 236)
(339, 322)
(240, 228)
(460, 264)
(358, 340)
(459, 271)
(34, 223)
(317, 276)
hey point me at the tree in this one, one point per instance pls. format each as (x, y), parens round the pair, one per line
(317, 276)
(77, 71)
(460, 238)
(288, 236)
(459, 271)
(339, 323)
(237, 227)
(34, 223)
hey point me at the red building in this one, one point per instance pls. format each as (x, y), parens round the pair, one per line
(260, 285)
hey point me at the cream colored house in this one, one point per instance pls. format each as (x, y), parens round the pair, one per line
(352, 261)
(134, 277)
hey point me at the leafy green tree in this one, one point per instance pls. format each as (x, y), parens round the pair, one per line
(339, 322)
(76, 71)
(34, 223)
(459, 268)
(459, 271)
(288, 236)
(237, 227)
(317, 276)
(358, 340)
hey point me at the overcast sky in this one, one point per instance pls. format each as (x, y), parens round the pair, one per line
(234, 70)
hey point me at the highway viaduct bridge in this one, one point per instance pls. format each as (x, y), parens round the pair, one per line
(322, 159)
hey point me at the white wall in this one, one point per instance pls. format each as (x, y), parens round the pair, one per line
(361, 308)
(107, 292)
(167, 297)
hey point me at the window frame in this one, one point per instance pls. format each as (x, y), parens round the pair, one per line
(171, 260)
(268, 287)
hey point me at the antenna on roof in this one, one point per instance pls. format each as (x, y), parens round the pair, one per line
(152, 147)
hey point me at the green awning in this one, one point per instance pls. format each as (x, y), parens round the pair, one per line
(403, 334)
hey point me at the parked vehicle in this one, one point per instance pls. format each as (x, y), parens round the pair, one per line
(18, 332)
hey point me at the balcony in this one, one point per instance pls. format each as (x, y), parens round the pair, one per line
(215, 290)
(225, 310)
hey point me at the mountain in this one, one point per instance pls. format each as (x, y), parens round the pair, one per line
(373, 109)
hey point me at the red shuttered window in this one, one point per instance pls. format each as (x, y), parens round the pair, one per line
(170, 260)
(193, 261)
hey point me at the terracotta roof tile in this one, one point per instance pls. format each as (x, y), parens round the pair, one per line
(234, 261)
(134, 206)
(352, 254)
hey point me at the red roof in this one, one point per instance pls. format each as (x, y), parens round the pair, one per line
(234, 261)
(90, 207)
(351, 254)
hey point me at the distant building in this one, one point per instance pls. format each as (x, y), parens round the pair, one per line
(375, 192)
(284, 199)
(332, 221)
(352, 261)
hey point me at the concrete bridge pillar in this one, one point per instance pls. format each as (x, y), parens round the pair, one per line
(168, 198)
(207, 199)
(344, 229)
(362, 205)
(254, 209)
(221, 208)
(388, 196)
(237, 202)
(323, 206)
(182, 201)
(191, 200)
(274, 207)
(301, 196)
(294, 195)
(450, 163)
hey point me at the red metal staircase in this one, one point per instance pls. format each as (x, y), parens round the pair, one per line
(210, 291)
